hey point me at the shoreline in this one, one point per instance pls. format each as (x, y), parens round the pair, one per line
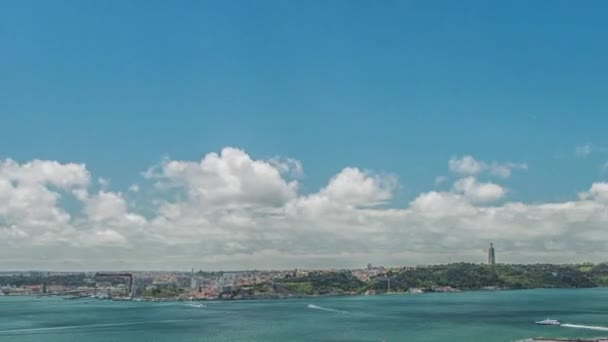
(271, 298)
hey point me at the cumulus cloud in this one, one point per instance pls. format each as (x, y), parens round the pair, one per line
(598, 192)
(232, 211)
(45, 172)
(288, 166)
(104, 206)
(31, 213)
(353, 186)
(441, 204)
(467, 165)
(29, 197)
(228, 178)
(479, 192)
(349, 189)
(110, 206)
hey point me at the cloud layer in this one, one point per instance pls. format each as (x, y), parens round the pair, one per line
(231, 211)
(468, 165)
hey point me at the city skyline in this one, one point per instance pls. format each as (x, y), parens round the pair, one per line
(321, 135)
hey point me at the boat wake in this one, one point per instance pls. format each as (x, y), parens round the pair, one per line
(316, 307)
(590, 327)
(197, 305)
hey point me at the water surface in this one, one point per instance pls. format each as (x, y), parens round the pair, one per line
(467, 317)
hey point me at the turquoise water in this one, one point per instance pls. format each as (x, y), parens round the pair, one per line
(467, 316)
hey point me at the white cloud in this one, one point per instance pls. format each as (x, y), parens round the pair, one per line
(45, 172)
(467, 165)
(441, 204)
(134, 188)
(230, 178)
(110, 209)
(479, 192)
(355, 187)
(31, 213)
(80, 193)
(288, 166)
(598, 192)
(440, 180)
(232, 211)
(107, 237)
(505, 170)
(103, 182)
(349, 189)
(105, 205)
(29, 198)
(583, 150)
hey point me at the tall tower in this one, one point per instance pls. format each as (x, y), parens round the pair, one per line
(194, 281)
(491, 255)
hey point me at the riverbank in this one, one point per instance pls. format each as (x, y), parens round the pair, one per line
(298, 283)
(315, 296)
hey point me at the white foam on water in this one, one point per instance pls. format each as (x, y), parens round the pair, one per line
(579, 326)
(316, 307)
(197, 305)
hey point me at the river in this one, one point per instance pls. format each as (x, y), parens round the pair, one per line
(467, 316)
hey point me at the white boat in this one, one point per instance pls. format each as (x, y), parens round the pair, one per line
(549, 322)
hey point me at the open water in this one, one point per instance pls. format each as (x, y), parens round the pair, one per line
(466, 316)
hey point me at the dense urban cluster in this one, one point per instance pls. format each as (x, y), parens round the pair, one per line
(295, 283)
(160, 285)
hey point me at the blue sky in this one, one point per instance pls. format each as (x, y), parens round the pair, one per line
(396, 87)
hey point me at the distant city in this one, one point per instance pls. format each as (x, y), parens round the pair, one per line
(157, 284)
(177, 285)
(256, 284)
